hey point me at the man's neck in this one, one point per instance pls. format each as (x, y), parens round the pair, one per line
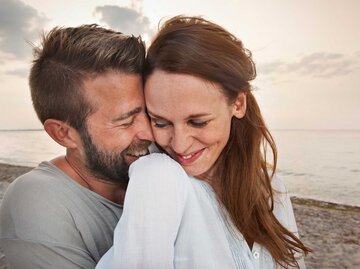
(77, 171)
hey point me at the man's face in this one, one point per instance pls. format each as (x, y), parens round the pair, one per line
(118, 132)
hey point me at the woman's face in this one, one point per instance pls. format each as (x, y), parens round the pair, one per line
(190, 118)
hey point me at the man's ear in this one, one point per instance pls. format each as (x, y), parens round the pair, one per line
(62, 133)
(239, 105)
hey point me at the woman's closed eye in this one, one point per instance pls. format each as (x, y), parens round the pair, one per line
(198, 124)
(159, 123)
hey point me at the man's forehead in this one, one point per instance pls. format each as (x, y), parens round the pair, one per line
(112, 86)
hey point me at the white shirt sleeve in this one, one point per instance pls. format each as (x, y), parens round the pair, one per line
(153, 208)
(284, 212)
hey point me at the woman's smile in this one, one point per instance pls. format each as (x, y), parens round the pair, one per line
(188, 159)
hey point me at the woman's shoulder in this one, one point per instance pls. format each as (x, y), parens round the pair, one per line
(158, 167)
(154, 161)
(160, 182)
(154, 158)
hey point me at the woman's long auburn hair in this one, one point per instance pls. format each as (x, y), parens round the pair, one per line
(195, 46)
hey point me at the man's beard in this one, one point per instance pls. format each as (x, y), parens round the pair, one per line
(109, 166)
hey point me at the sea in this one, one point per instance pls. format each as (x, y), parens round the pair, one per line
(320, 165)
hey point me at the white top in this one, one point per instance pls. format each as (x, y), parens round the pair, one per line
(171, 220)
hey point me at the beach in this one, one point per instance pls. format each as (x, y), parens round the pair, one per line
(331, 230)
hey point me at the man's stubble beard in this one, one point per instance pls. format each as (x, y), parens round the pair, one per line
(109, 166)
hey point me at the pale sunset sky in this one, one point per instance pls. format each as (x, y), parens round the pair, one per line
(307, 51)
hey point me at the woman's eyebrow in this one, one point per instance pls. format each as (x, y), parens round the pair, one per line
(192, 116)
(199, 115)
(154, 115)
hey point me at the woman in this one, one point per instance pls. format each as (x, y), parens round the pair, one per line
(228, 210)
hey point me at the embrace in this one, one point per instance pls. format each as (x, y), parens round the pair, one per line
(165, 165)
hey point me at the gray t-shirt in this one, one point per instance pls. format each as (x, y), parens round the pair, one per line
(49, 221)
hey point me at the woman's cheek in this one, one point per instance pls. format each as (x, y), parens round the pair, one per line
(161, 137)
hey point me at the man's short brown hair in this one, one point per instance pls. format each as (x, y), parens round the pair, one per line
(68, 56)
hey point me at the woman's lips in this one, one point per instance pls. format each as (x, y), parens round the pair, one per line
(187, 159)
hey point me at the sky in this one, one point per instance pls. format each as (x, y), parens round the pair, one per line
(307, 52)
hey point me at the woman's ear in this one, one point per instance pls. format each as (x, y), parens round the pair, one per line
(239, 105)
(62, 133)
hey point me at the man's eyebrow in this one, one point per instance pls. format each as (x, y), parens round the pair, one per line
(128, 114)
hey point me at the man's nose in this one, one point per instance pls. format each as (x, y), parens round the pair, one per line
(145, 132)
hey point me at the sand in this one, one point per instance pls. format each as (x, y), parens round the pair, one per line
(331, 230)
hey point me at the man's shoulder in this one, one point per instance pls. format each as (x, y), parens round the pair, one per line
(29, 202)
(38, 216)
(42, 189)
(43, 177)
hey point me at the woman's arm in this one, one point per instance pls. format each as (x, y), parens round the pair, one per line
(153, 208)
(284, 212)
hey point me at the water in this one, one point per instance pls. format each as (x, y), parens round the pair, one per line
(27, 148)
(322, 165)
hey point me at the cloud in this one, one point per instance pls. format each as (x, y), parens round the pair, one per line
(124, 19)
(268, 68)
(21, 72)
(322, 65)
(19, 24)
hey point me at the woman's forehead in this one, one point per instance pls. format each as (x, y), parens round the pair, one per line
(173, 85)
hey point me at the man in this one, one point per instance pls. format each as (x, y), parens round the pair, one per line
(86, 88)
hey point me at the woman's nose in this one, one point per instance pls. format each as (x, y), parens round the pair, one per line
(181, 140)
